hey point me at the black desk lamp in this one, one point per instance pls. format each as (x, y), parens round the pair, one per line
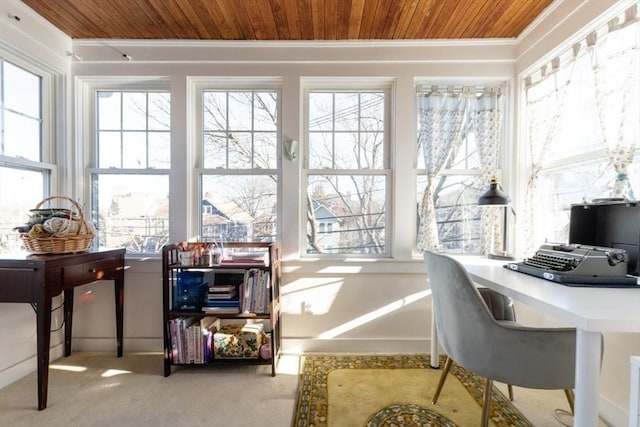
(494, 196)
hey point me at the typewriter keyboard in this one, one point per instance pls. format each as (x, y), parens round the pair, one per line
(551, 262)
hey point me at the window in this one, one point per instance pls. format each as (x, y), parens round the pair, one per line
(347, 171)
(130, 180)
(460, 138)
(26, 169)
(581, 121)
(239, 174)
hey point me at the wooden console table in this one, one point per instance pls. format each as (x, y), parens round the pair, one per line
(36, 279)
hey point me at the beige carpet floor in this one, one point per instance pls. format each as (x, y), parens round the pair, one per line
(98, 389)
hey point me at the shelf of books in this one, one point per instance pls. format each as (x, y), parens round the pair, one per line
(223, 308)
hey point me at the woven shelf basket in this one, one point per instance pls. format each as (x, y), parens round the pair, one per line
(80, 241)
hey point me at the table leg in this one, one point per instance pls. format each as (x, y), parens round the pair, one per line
(68, 320)
(43, 319)
(435, 357)
(588, 354)
(119, 296)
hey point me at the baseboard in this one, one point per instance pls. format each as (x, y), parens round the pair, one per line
(613, 414)
(21, 369)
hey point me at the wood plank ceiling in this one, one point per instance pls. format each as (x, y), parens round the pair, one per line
(289, 19)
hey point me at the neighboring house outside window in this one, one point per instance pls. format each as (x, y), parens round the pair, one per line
(347, 170)
(27, 164)
(130, 173)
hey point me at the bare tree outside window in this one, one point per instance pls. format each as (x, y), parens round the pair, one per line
(347, 178)
(239, 178)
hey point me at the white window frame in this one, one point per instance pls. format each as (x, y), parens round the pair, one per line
(347, 84)
(86, 114)
(198, 85)
(51, 84)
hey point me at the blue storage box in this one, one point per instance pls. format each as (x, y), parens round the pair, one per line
(189, 291)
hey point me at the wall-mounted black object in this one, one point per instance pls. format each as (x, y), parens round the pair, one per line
(609, 223)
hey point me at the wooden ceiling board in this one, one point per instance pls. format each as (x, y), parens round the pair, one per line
(439, 12)
(404, 19)
(237, 19)
(355, 18)
(420, 20)
(479, 18)
(289, 19)
(331, 19)
(386, 19)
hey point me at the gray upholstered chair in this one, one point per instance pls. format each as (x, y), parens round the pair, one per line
(542, 358)
(501, 308)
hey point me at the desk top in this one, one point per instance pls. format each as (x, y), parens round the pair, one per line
(588, 308)
(27, 256)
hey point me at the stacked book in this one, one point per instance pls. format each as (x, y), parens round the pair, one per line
(222, 299)
(192, 339)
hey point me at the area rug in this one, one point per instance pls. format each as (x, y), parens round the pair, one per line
(392, 390)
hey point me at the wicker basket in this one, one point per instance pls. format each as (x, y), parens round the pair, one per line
(77, 242)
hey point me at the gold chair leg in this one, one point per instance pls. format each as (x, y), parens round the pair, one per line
(443, 376)
(486, 402)
(510, 388)
(570, 398)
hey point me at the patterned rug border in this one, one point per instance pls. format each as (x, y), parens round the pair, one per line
(312, 399)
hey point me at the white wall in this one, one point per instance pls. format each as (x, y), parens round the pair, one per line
(352, 305)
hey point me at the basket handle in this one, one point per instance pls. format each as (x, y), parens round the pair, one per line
(74, 203)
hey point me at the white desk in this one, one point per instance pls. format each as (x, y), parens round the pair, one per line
(590, 310)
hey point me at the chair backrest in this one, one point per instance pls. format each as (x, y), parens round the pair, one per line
(463, 321)
(504, 351)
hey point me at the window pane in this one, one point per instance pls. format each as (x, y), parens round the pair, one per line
(583, 181)
(20, 112)
(320, 150)
(372, 114)
(21, 136)
(215, 110)
(109, 110)
(265, 150)
(21, 91)
(139, 137)
(457, 212)
(240, 129)
(134, 111)
(20, 191)
(215, 150)
(159, 111)
(320, 111)
(159, 150)
(132, 216)
(239, 208)
(109, 150)
(351, 209)
(347, 112)
(134, 152)
(240, 110)
(358, 139)
(265, 111)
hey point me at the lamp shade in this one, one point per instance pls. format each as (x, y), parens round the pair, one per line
(494, 196)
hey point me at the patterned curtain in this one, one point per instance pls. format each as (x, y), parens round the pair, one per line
(445, 118)
(488, 118)
(608, 49)
(441, 120)
(618, 99)
(544, 104)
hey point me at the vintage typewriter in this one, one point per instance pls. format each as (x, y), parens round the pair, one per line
(578, 265)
